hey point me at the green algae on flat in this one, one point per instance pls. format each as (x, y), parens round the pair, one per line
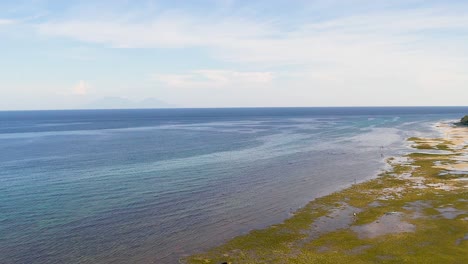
(417, 190)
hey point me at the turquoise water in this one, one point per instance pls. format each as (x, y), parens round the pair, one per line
(148, 186)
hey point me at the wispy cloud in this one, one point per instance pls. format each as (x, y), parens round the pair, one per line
(7, 22)
(168, 30)
(318, 52)
(348, 54)
(215, 79)
(332, 40)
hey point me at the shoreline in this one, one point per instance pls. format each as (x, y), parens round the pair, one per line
(421, 202)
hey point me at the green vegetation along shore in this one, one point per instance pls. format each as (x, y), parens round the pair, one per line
(417, 212)
(464, 120)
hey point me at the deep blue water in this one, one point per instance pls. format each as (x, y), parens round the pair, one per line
(148, 186)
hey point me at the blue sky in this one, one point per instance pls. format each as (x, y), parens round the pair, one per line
(228, 53)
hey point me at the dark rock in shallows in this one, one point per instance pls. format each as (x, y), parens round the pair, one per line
(464, 120)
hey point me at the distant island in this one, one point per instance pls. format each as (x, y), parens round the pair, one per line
(464, 120)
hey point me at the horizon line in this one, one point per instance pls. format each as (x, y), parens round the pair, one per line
(230, 107)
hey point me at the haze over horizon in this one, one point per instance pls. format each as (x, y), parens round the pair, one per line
(123, 54)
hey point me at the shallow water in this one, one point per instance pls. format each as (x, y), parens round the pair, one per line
(143, 186)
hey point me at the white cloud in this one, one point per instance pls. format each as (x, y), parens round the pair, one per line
(82, 88)
(6, 22)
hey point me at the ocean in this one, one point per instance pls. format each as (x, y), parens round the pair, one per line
(150, 186)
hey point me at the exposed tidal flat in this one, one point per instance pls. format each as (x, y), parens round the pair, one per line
(150, 186)
(415, 212)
